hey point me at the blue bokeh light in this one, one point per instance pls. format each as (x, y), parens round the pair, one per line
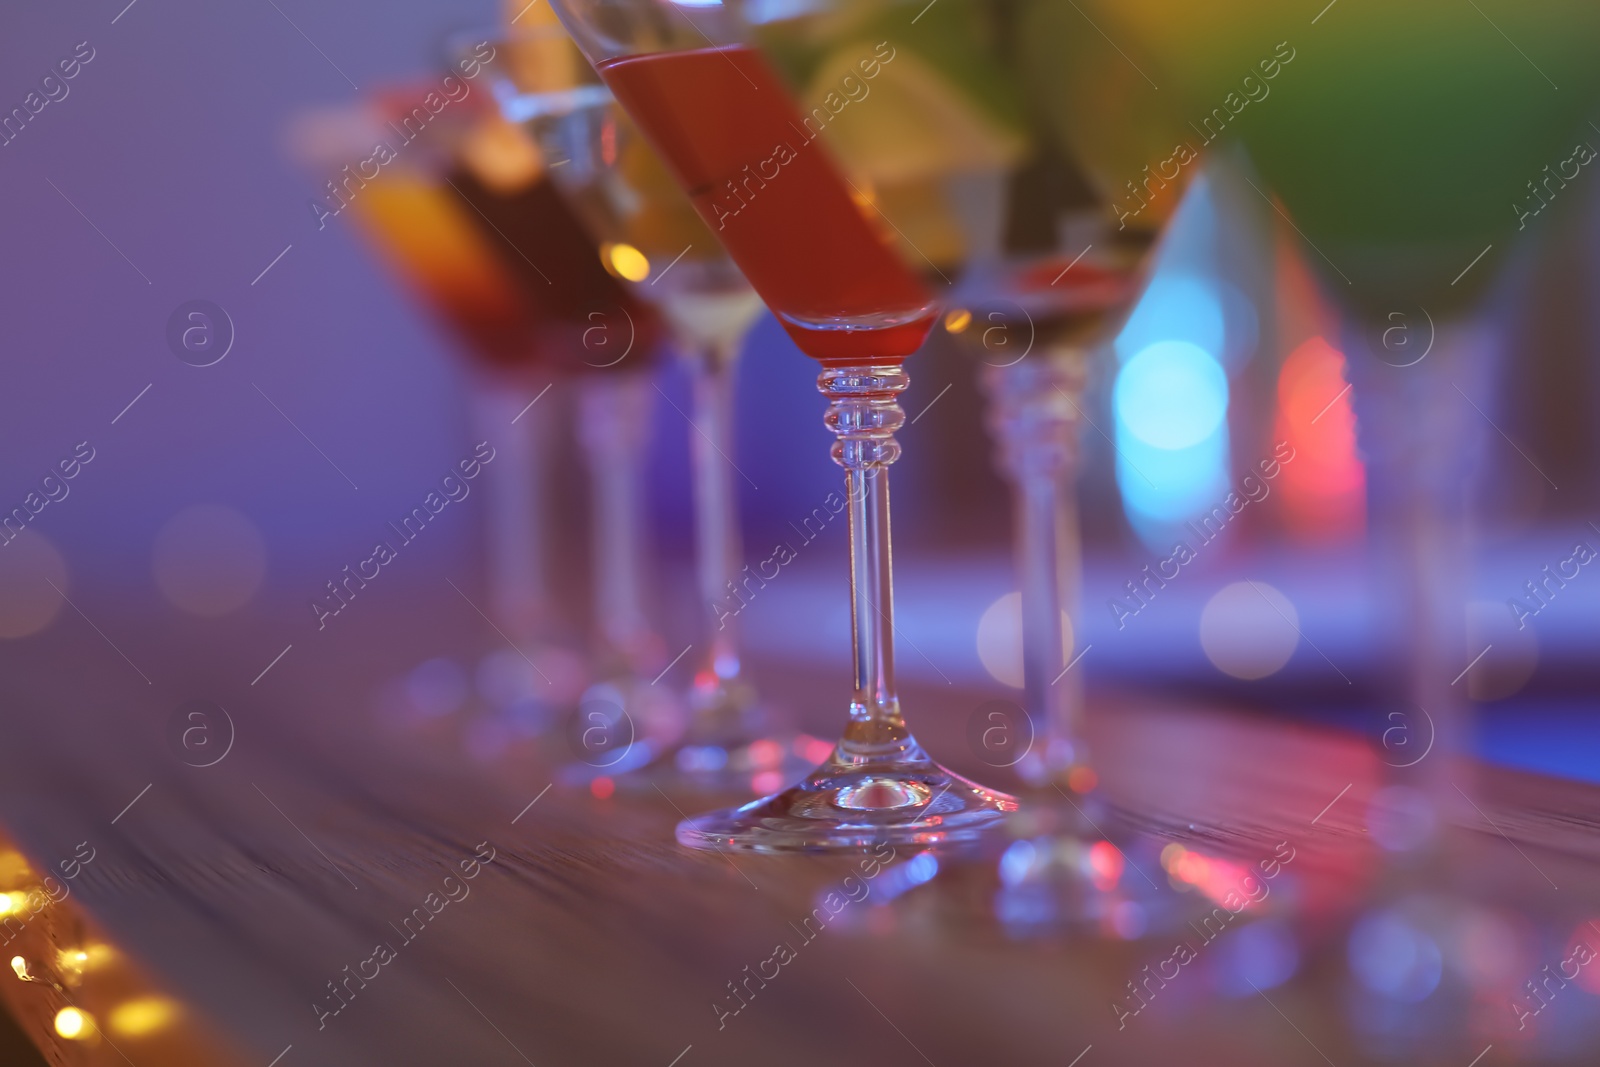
(1259, 956)
(1172, 395)
(1162, 487)
(1395, 959)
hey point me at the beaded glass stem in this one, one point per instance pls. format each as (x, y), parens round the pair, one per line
(878, 785)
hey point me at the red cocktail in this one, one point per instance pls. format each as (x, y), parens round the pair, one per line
(801, 234)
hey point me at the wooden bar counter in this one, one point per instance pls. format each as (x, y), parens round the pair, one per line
(338, 888)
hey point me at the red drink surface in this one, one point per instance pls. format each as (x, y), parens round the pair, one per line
(725, 125)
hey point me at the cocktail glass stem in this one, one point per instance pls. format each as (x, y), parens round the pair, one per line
(1034, 407)
(717, 540)
(864, 414)
(514, 504)
(614, 419)
(878, 786)
(1421, 438)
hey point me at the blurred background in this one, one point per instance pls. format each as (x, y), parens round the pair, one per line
(211, 506)
(223, 496)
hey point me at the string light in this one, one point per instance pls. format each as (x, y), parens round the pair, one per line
(146, 1015)
(625, 261)
(72, 1023)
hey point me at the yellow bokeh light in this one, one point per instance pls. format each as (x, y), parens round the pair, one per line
(13, 903)
(144, 1016)
(625, 261)
(957, 319)
(94, 955)
(72, 1023)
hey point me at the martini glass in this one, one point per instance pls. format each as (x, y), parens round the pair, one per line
(1036, 415)
(454, 212)
(725, 125)
(609, 343)
(424, 233)
(1414, 150)
(1410, 183)
(1036, 314)
(650, 236)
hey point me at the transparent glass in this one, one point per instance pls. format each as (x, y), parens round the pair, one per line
(715, 110)
(1412, 269)
(878, 784)
(1421, 425)
(1033, 325)
(648, 234)
(448, 215)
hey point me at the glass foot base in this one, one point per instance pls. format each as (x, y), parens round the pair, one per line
(846, 805)
(1072, 870)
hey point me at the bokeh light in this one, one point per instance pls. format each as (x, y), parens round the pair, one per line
(1016, 861)
(1172, 395)
(625, 261)
(1393, 957)
(72, 1024)
(1249, 630)
(1162, 488)
(141, 1017)
(1257, 956)
(1324, 485)
(1170, 401)
(28, 603)
(1105, 865)
(1000, 640)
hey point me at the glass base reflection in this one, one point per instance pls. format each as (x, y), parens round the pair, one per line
(848, 803)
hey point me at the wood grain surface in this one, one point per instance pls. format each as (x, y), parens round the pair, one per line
(231, 896)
